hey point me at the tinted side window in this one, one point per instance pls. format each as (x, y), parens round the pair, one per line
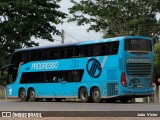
(77, 52)
(33, 56)
(62, 53)
(69, 75)
(83, 52)
(89, 51)
(36, 77)
(77, 75)
(69, 53)
(108, 48)
(53, 54)
(96, 50)
(51, 77)
(104, 49)
(39, 55)
(24, 56)
(113, 48)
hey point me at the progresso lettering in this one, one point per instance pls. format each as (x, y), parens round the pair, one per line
(138, 60)
(45, 66)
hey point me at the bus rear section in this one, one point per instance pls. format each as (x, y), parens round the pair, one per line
(137, 71)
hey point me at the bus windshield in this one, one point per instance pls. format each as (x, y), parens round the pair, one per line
(138, 45)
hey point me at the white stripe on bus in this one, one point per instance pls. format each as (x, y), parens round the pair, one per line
(97, 57)
(104, 61)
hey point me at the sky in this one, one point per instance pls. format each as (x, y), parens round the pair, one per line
(73, 33)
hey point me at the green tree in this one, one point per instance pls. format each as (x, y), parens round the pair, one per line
(22, 19)
(157, 60)
(118, 17)
(3, 80)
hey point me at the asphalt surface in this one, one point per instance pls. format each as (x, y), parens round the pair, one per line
(60, 110)
(17, 105)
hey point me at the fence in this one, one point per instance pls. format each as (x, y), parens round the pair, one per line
(2, 92)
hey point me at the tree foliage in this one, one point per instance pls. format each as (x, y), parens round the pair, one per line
(22, 19)
(3, 80)
(118, 17)
(157, 60)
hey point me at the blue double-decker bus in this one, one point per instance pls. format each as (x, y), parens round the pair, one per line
(119, 68)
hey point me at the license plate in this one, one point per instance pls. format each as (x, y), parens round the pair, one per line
(139, 86)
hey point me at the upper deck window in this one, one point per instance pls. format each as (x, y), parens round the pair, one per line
(97, 49)
(138, 45)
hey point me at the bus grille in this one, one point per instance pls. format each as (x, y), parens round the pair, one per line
(112, 89)
(138, 69)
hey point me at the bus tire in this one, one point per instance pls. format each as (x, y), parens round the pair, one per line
(32, 96)
(84, 95)
(23, 95)
(96, 97)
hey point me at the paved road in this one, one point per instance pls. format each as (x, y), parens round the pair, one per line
(17, 105)
(96, 110)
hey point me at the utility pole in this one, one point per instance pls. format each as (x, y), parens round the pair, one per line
(62, 37)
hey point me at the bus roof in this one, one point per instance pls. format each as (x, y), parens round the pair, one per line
(79, 43)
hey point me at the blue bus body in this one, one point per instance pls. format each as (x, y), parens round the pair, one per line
(124, 75)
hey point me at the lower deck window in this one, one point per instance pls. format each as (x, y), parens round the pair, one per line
(52, 76)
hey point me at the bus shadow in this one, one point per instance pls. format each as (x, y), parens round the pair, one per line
(78, 101)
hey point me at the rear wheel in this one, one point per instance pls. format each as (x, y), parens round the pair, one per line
(96, 97)
(32, 97)
(23, 95)
(84, 95)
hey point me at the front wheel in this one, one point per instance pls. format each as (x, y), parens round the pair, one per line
(32, 96)
(23, 95)
(96, 97)
(84, 95)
